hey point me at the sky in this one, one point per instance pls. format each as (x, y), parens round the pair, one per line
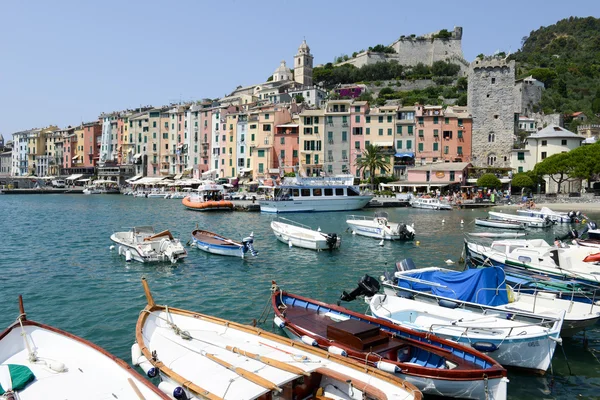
(64, 62)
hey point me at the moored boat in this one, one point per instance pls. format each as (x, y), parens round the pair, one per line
(555, 216)
(143, 244)
(209, 197)
(429, 204)
(531, 222)
(299, 235)
(207, 357)
(39, 361)
(496, 234)
(216, 244)
(434, 365)
(501, 224)
(379, 227)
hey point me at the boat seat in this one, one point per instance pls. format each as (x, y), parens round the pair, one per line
(428, 359)
(357, 334)
(159, 235)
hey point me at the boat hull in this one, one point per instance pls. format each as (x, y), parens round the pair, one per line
(377, 231)
(315, 205)
(210, 205)
(496, 223)
(218, 249)
(430, 206)
(300, 237)
(530, 221)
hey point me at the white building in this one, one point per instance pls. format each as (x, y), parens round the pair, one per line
(19, 153)
(527, 124)
(313, 95)
(303, 65)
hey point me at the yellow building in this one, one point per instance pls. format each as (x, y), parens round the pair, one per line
(231, 168)
(79, 148)
(380, 128)
(311, 130)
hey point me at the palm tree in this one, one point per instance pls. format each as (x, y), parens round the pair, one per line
(371, 160)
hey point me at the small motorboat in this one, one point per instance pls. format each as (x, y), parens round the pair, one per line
(217, 244)
(434, 365)
(142, 244)
(496, 234)
(379, 227)
(429, 204)
(200, 356)
(527, 346)
(486, 288)
(209, 197)
(299, 235)
(501, 224)
(532, 222)
(555, 216)
(38, 361)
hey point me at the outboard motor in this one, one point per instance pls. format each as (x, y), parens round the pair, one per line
(589, 226)
(406, 232)
(571, 215)
(406, 265)
(367, 286)
(331, 240)
(571, 234)
(248, 243)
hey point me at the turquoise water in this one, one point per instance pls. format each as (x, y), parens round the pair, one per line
(56, 254)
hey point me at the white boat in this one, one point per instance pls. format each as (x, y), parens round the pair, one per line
(511, 343)
(379, 227)
(142, 244)
(178, 195)
(216, 244)
(511, 235)
(140, 194)
(295, 234)
(316, 194)
(208, 357)
(499, 223)
(429, 204)
(38, 361)
(486, 289)
(531, 222)
(207, 197)
(555, 216)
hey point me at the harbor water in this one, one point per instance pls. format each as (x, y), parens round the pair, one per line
(56, 253)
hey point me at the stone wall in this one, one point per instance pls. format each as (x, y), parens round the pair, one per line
(491, 102)
(542, 120)
(527, 96)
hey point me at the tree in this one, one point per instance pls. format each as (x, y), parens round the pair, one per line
(386, 90)
(371, 160)
(521, 180)
(299, 98)
(586, 162)
(269, 79)
(462, 100)
(489, 181)
(558, 167)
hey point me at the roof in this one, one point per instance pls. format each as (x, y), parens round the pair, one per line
(555, 131)
(312, 112)
(444, 166)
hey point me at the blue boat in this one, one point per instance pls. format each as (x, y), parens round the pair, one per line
(217, 244)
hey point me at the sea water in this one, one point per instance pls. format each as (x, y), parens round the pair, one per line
(56, 253)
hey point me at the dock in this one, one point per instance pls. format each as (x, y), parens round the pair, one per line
(42, 191)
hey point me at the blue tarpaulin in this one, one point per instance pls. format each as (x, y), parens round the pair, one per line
(404, 154)
(485, 286)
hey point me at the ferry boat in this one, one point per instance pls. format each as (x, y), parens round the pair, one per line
(312, 194)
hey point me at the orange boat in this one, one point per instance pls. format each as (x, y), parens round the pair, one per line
(592, 258)
(208, 198)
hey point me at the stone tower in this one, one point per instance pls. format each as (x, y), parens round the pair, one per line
(303, 65)
(491, 102)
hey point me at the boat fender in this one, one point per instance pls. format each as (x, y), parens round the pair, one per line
(120, 250)
(128, 255)
(278, 322)
(136, 353)
(173, 391)
(447, 303)
(337, 350)
(485, 347)
(308, 340)
(387, 367)
(146, 366)
(56, 366)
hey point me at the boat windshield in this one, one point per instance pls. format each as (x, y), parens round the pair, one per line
(352, 192)
(283, 193)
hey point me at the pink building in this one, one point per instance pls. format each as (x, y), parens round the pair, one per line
(358, 113)
(205, 133)
(92, 136)
(442, 134)
(69, 150)
(286, 146)
(442, 175)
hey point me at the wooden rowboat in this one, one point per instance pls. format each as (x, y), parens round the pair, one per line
(217, 244)
(42, 362)
(498, 223)
(208, 357)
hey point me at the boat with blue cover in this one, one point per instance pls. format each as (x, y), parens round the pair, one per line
(487, 289)
(211, 242)
(436, 366)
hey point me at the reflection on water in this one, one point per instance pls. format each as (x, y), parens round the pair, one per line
(56, 253)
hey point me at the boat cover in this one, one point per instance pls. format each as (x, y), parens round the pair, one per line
(486, 286)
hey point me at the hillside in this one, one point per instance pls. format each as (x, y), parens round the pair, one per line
(566, 57)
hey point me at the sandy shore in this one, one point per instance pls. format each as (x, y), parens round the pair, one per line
(583, 207)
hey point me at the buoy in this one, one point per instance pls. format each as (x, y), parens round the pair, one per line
(449, 261)
(290, 243)
(319, 229)
(382, 242)
(128, 255)
(462, 222)
(337, 350)
(112, 247)
(308, 340)
(443, 221)
(417, 243)
(278, 322)
(354, 233)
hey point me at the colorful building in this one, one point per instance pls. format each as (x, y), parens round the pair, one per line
(311, 134)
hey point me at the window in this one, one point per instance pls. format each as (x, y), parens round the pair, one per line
(389, 118)
(368, 119)
(493, 80)
(154, 124)
(436, 133)
(410, 130)
(329, 119)
(421, 134)
(452, 175)
(356, 108)
(252, 137)
(408, 144)
(357, 145)
(544, 143)
(330, 137)
(380, 119)
(357, 118)
(435, 146)
(446, 120)
(261, 153)
(316, 129)
(367, 143)
(344, 119)
(253, 126)
(344, 156)
(282, 140)
(380, 131)
(344, 136)
(420, 147)
(460, 134)
(398, 144)
(389, 131)
(420, 120)
(339, 191)
(261, 168)
(368, 131)
(435, 120)
(295, 153)
(446, 149)
(317, 157)
(282, 155)
(459, 150)
(460, 122)
(544, 155)
(267, 116)
(307, 121)
(520, 169)
(563, 142)
(153, 135)
(491, 139)
(399, 129)
(267, 128)
(520, 156)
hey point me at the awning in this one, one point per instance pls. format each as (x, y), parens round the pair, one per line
(208, 173)
(246, 170)
(73, 177)
(404, 154)
(148, 180)
(83, 180)
(288, 126)
(384, 144)
(135, 178)
(178, 176)
(138, 155)
(75, 158)
(273, 170)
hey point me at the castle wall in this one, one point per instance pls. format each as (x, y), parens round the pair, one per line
(491, 102)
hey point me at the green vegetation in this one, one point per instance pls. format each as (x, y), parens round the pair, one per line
(443, 34)
(580, 163)
(372, 160)
(566, 57)
(521, 180)
(299, 99)
(489, 181)
(382, 49)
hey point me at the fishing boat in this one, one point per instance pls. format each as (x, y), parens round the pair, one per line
(429, 204)
(299, 235)
(208, 197)
(496, 234)
(216, 244)
(531, 222)
(500, 224)
(200, 356)
(143, 244)
(312, 194)
(555, 216)
(487, 289)
(38, 361)
(434, 365)
(379, 227)
(526, 346)
(535, 257)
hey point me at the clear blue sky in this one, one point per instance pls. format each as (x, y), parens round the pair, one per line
(66, 61)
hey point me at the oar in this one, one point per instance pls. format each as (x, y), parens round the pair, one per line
(136, 389)
(269, 361)
(244, 373)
